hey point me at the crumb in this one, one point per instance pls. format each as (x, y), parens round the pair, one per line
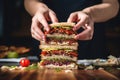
(67, 71)
(100, 68)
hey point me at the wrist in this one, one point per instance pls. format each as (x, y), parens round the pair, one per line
(41, 5)
(38, 7)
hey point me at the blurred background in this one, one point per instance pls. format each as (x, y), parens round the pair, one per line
(15, 27)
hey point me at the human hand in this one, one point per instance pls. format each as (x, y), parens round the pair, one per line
(84, 21)
(40, 20)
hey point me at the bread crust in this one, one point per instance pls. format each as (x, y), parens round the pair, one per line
(62, 24)
(58, 47)
(66, 67)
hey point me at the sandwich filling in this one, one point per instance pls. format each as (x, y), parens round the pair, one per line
(55, 61)
(70, 55)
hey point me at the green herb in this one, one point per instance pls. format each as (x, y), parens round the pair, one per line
(13, 66)
(32, 67)
(58, 69)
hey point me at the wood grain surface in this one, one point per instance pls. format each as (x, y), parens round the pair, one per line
(46, 74)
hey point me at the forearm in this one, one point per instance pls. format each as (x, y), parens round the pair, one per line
(104, 11)
(32, 6)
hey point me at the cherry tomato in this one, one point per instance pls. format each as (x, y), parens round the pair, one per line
(24, 62)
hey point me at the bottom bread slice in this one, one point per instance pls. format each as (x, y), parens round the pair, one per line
(52, 66)
(58, 63)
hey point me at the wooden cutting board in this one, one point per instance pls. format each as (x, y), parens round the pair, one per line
(46, 74)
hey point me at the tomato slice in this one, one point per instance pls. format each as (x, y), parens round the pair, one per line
(44, 53)
(24, 62)
(69, 32)
(74, 54)
(46, 32)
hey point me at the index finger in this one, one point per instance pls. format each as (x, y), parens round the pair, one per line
(43, 21)
(72, 17)
(53, 17)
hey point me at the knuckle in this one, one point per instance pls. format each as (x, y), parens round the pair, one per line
(33, 35)
(31, 29)
(52, 13)
(41, 18)
(33, 19)
(90, 38)
(72, 14)
(87, 17)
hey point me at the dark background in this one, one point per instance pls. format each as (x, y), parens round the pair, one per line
(15, 27)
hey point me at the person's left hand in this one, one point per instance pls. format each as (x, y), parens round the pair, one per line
(84, 21)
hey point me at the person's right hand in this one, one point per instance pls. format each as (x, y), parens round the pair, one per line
(40, 20)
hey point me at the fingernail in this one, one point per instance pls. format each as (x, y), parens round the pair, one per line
(75, 37)
(43, 38)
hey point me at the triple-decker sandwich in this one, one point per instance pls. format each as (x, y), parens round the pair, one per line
(60, 48)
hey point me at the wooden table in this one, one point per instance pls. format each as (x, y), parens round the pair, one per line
(46, 74)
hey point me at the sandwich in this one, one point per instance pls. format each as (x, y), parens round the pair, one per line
(60, 48)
